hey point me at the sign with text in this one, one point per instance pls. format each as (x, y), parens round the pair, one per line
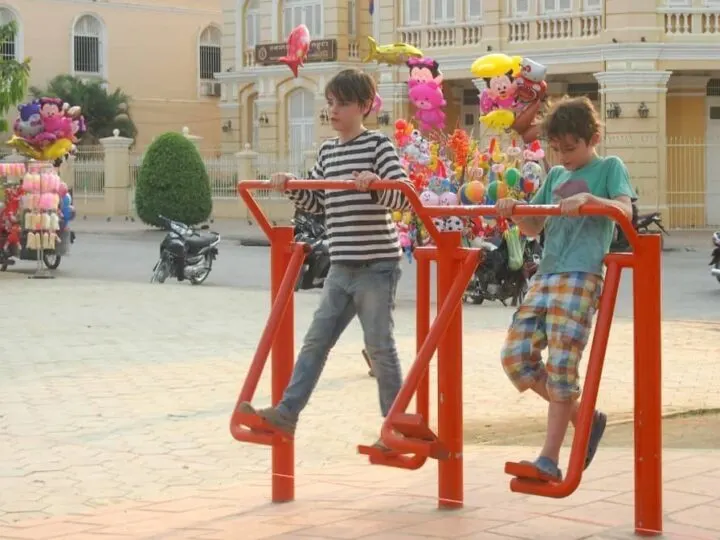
(321, 50)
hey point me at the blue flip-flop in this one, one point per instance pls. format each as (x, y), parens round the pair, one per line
(548, 469)
(596, 433)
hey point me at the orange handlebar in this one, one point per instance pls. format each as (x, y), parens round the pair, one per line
(426, 213)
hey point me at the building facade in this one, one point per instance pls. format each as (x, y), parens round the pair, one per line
(651, 66)
(164, 54)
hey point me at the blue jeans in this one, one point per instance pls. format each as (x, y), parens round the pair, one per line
(368, 291)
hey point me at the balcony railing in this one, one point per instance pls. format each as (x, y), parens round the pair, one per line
(442, 35)
(554, 27)
(249, 57)
(683, 21)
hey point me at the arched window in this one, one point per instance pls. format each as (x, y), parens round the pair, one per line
(252, 24)
(10, 48)
(301, 124)
(88, 46)
(307, 12)
(210, 53)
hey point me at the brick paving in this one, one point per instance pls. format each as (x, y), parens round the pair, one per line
(115, 409)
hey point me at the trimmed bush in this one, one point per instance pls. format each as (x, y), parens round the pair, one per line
(173, 182)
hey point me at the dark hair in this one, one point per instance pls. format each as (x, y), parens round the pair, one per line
(352, 86)
(575, 116)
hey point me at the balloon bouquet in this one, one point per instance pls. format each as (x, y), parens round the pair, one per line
(47, 129)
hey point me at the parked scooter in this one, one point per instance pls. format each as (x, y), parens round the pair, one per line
(715, 260)
(493, 279)
(185, 253)
(643, 223)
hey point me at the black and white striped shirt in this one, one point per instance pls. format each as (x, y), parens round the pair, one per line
(359, 224)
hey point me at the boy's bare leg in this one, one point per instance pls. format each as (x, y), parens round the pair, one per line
(560, 414)
(540, 388)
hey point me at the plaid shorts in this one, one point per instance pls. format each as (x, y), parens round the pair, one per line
(557, 313)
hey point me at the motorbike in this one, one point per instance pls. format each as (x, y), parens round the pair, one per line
(643, 223)
(185, 253)
(715, 261)
(310, 230)
(493, 279)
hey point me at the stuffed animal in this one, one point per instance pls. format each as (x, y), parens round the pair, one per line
(29, 123)
(429, 100)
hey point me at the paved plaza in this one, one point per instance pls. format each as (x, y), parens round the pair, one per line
(116, 399)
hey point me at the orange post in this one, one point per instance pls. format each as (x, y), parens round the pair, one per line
(647, 288)
(422, 329)
(283, 359)
(450, 404)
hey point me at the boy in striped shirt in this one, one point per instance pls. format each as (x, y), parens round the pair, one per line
(364, 248)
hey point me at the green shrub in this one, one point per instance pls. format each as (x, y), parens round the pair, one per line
(173, 182)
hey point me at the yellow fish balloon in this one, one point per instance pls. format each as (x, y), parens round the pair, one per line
(51, 152)
(499, 119)
(494, 65)
(395, 54)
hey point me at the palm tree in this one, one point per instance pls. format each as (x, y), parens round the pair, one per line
(14, 76)
(104, 111)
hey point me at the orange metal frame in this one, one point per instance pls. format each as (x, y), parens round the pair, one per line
(409, 435)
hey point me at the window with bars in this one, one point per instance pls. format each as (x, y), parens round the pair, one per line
(307, 12)
(411, 12)
(520, 7)
(301, 124)
(473, 9)
(210, 53)
(88, 45)
(556, 6)
(443, 11)
(9, 48)
(252, 23)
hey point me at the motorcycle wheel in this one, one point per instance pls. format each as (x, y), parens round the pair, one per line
(51, 260)
(160, 272)
(717, 266)
(200, 278)
(3, 267)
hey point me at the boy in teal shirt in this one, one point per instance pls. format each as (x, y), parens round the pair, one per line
(558, 309)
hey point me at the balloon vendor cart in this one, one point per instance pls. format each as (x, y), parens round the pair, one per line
(35, 216)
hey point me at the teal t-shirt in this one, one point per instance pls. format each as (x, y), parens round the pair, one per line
(579, 244)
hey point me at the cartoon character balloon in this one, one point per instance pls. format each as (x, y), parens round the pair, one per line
(424, 70)
(429, 102)
(298, 45)
(515, 91)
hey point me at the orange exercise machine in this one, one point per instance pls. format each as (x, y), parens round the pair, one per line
(409, 434)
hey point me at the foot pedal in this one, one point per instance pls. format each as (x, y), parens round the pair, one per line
(417, 432)
(254, 429)
(525, 471)
(390, 458)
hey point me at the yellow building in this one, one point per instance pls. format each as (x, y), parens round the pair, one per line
(163, 53)
(652, 67)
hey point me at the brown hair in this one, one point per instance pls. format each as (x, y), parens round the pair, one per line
(575, 116)
(352, 86)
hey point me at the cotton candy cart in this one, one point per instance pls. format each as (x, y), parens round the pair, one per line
(35, 216)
